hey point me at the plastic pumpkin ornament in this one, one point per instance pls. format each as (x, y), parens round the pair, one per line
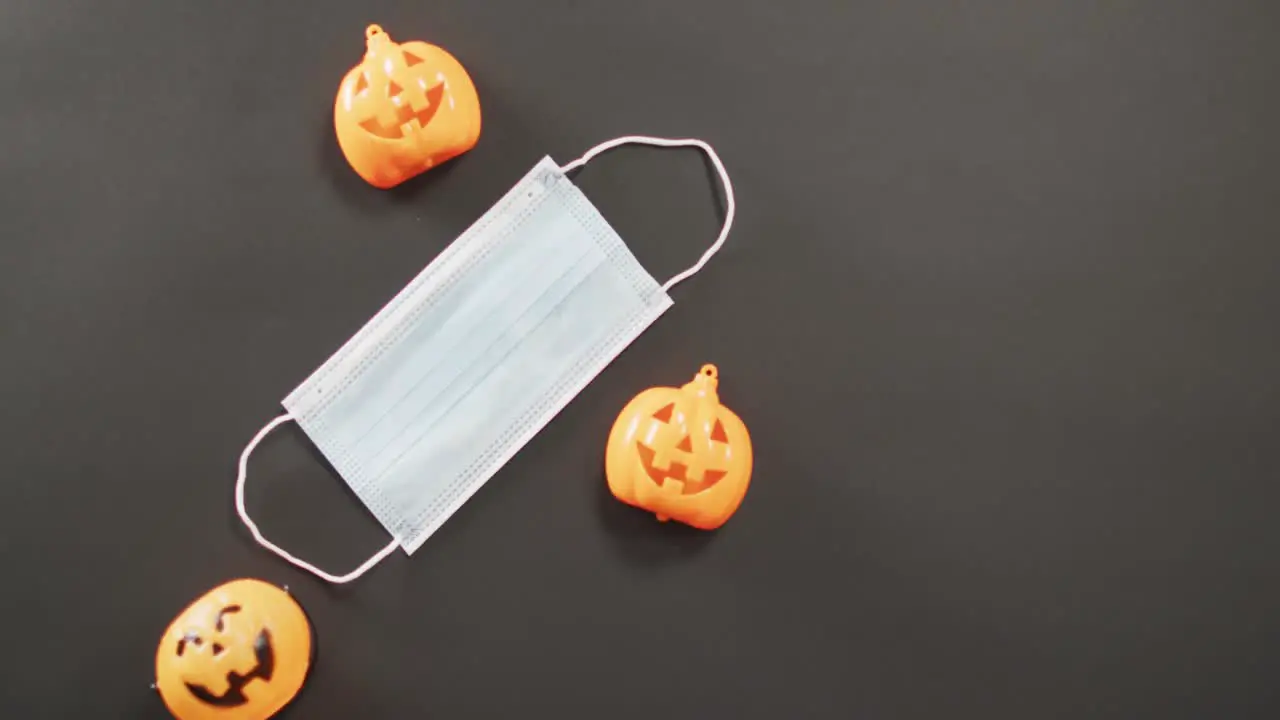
(680, 454)
(406, 108)
(239, 652)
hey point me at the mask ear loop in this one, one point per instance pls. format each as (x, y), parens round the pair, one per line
(729, 204)
(257, 534)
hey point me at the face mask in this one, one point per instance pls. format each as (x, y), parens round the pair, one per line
(481, 350)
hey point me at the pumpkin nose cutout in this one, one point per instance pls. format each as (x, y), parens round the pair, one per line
(390, 137)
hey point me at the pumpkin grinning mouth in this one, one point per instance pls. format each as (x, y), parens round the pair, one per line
(234, 696)
(405, 115)
(677, 471)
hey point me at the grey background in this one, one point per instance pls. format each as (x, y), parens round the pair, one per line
(999, 310)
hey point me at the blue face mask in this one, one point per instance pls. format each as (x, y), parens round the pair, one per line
(481, 350)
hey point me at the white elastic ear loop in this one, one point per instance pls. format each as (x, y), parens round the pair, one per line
(670, 142)
(257, 534)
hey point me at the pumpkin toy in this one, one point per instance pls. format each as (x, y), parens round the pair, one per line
(680, 454)
(239, 652)
(404, 109)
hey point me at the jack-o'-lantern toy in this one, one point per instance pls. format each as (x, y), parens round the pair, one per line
(405, 109)
(680, 454)
(240, 652)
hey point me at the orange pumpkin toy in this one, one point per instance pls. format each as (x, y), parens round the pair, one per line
(239, 652)
(403, 110)
(680, 454)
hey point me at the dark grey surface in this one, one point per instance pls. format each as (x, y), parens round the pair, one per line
(999, 311)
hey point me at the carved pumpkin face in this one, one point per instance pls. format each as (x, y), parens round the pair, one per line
(680, 454)
(405, 109)
(240, 652)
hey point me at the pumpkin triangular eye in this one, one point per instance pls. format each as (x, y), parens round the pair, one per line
(410, 59)
(362, 84)
(664, 415)
(718, 434)
(228, 610)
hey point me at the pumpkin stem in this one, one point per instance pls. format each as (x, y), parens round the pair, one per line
(704, 384)
(374, 35)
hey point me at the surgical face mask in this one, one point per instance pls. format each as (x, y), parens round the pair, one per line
(481, 350)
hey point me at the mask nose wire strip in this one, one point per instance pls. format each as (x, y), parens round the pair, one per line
(257, 534)
(730, 205)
